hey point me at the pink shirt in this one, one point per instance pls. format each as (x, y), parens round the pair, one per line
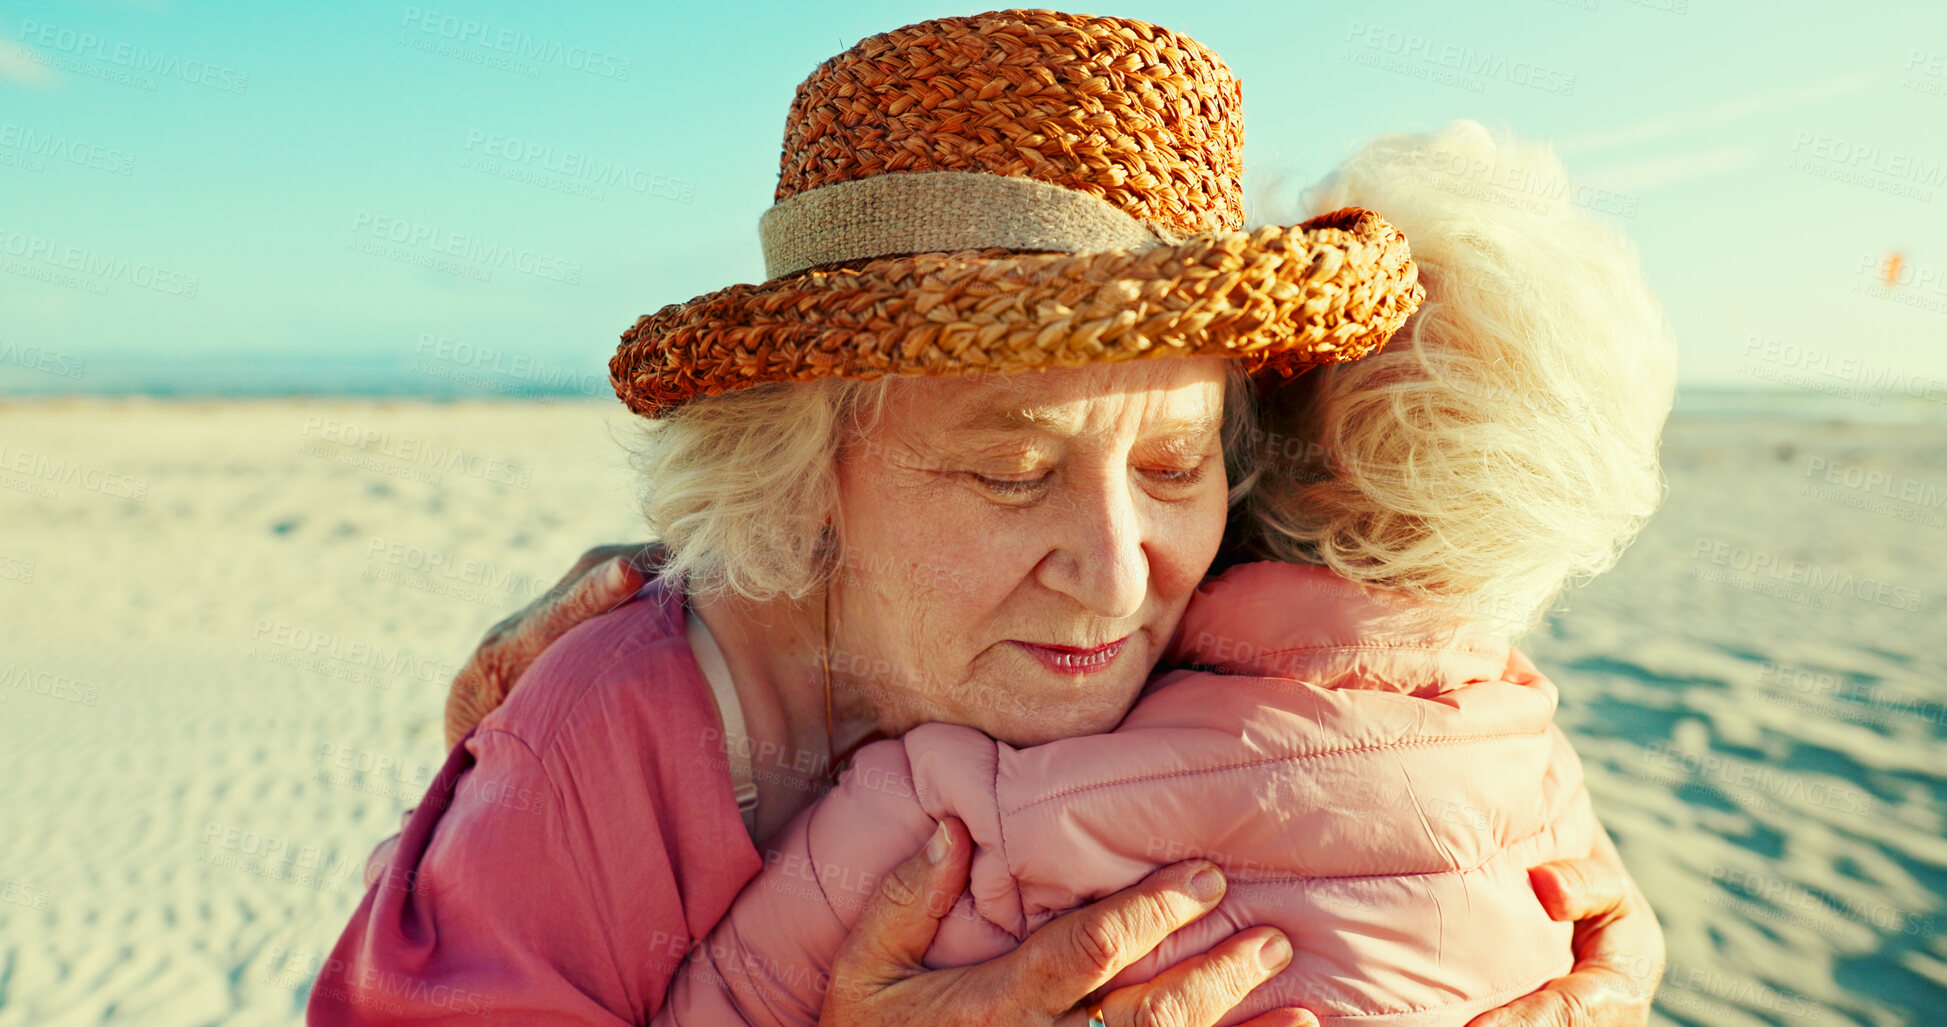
(566, 856)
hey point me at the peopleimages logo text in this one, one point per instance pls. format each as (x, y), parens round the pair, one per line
(517, 43)
(1808, 576)
(160, 63)
(83, 260)
(433, 239)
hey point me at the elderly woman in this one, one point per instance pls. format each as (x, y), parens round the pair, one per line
(962, 458)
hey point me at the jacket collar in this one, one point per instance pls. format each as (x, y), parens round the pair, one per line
(1296, 621)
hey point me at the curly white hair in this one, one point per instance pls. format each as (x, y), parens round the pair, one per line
(1504, 442)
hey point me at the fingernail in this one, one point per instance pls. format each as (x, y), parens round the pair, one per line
(616, 574)
(1207, 884)
(941, 843)
(1274, 953)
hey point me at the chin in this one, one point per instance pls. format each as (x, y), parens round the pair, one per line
(1067, 719)
(1042, 731)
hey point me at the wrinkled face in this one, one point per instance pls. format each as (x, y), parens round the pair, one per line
(1018, 548)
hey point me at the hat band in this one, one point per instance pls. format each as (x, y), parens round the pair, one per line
(940, 211)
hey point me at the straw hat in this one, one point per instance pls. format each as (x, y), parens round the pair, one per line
(1014, 190)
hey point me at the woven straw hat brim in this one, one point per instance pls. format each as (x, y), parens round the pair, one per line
(1331, 289)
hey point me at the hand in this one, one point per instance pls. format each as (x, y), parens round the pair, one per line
(601, 580)
(877, 978)
(1618, 948)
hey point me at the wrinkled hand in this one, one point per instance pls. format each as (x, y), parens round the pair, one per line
(602, 579)
(878, 979)
(1618, 948)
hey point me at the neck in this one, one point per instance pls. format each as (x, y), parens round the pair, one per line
(774, 653)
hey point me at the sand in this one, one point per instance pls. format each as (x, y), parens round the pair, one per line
(229, 628)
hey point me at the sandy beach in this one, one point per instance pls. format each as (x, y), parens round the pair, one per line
(229, 627)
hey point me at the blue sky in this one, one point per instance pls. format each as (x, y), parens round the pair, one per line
(227, 178)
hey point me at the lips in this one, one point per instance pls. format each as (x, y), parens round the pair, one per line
(1069, 659)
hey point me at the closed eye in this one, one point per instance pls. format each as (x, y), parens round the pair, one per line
(1012, 487)
(1177, 475)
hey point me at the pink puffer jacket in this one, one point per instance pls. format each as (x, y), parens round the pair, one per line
(1374, 776)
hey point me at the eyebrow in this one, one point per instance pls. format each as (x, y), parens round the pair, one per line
(1050, 421)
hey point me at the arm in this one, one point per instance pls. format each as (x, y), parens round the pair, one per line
(1618, 943)
(771, 960)
(878, 978)
(1618, 947)
(604, 578)
(479, 909)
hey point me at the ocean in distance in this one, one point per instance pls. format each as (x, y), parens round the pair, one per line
(438, 370)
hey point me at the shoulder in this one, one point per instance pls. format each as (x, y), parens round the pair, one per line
(579, 839)
(627, 675)
(616, 725)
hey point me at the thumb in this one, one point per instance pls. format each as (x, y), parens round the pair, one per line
(898, 924)
(1577, 889)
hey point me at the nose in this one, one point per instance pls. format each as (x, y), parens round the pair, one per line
(1098, 556)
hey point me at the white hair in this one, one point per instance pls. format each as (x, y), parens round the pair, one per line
(741, 488)
(1504, 442)
(738, 487)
